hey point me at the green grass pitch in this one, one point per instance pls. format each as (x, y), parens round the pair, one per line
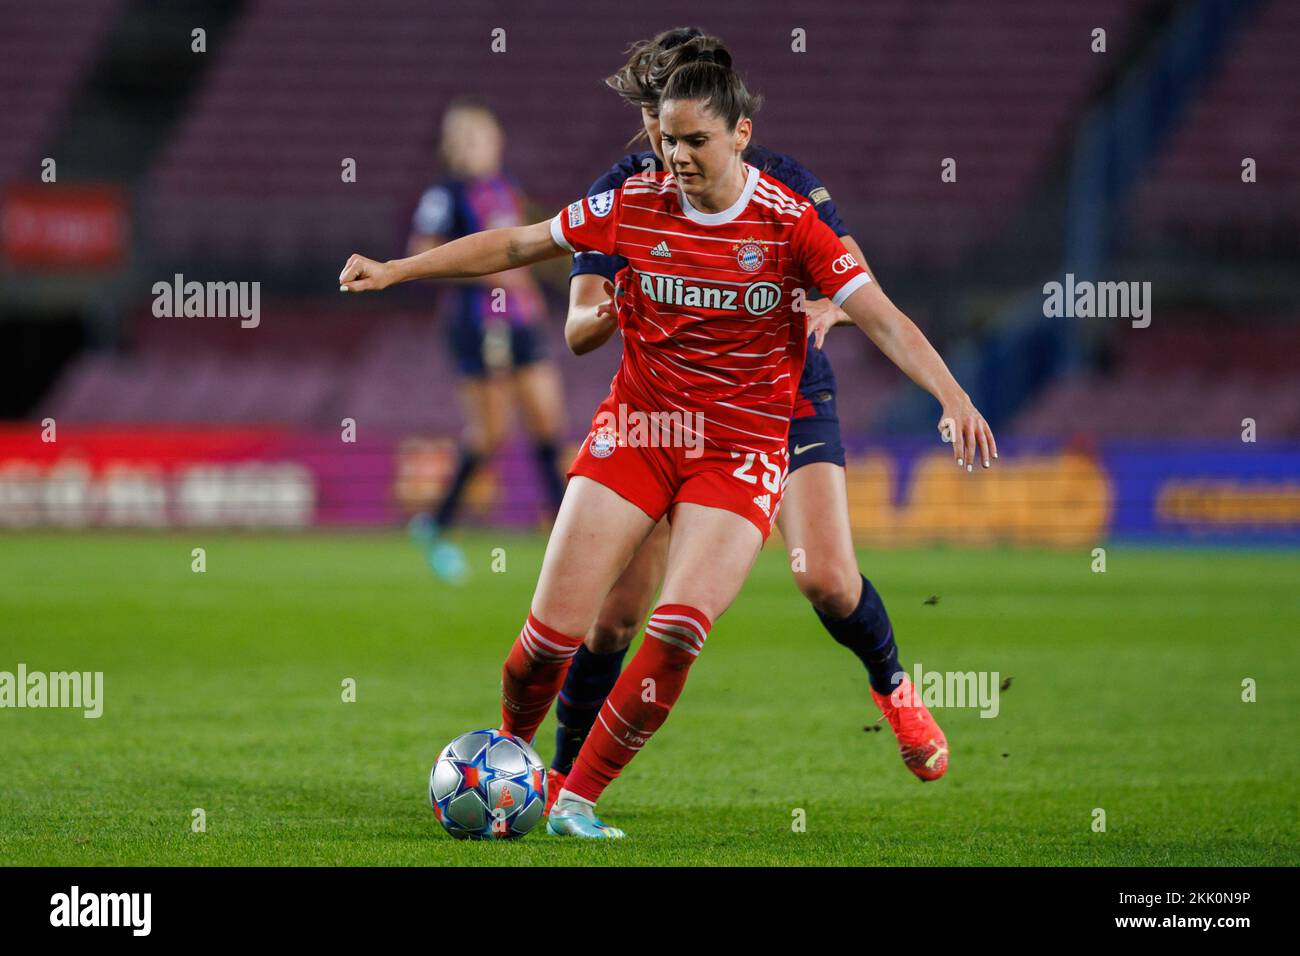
(223, 692)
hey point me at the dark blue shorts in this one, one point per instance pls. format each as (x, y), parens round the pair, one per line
(816, 437)
(815, 425)
(480, 348)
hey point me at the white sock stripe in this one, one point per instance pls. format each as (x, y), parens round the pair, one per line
(686, 640)
(538, 653)
(692, 648)
(685, 632)
(531, 649)
(686, 619)
(536, 635)
(550, 658)
(546, 642)
(615, 736)
(614, 711)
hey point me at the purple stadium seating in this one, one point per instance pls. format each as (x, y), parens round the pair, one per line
(45, 49)
(1250, 109)
(1187, 379)
(883, 94)
(306, 365)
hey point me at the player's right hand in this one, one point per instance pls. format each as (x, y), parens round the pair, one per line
(365, 275)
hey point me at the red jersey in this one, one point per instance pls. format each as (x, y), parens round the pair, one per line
(707, 311)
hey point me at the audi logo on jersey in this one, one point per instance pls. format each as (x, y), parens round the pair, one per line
(760, 298)
(843, 264)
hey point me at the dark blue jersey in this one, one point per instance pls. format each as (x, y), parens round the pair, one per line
(461, 207)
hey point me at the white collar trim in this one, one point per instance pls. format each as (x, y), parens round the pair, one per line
(728, 214)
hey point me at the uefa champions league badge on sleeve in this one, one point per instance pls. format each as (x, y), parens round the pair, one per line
(603, 442)
(749, 255)
(601, 204)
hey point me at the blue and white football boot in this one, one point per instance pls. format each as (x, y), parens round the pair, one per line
(573, 816)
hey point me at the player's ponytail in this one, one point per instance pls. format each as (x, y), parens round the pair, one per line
(698, 49)
(718, 85)
(640, 80)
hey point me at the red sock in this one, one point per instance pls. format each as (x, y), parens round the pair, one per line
(533, 675)
(674, 638)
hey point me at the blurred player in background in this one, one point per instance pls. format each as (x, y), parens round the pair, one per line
(814, 512)
(494, 336)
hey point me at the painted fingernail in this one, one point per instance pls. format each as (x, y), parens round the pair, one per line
(995, 454)
(970, 468)
(343, 288)
(960, 463)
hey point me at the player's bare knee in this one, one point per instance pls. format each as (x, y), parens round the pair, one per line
(476, 442)
(607, 637)
(832, 591)
(490, 442)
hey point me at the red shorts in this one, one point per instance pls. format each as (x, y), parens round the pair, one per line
(655, 475)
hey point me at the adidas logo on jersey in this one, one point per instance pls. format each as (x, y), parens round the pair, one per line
(662, 250)
(764, 502)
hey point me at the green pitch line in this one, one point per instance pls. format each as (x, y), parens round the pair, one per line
(222, 691)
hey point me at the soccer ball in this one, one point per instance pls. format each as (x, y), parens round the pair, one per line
(486, 785)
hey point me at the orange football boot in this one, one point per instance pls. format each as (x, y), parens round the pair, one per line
(920, 741)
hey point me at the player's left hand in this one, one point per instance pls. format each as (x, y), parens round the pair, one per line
(365, 275)
(822, 315)
(607, 311)
(965, 427)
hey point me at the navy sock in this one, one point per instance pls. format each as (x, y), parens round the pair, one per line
(590, 679)
(868, 634)
(545, 453)
(446, 510)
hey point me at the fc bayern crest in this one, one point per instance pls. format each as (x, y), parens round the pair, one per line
(749, 255)
(602, 443)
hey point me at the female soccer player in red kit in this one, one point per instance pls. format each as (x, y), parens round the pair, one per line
(717, 254)
(814, 517)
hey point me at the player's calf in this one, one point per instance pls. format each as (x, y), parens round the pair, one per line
(640, 701)
(532, 676)
(590, 678)
(868, 633)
